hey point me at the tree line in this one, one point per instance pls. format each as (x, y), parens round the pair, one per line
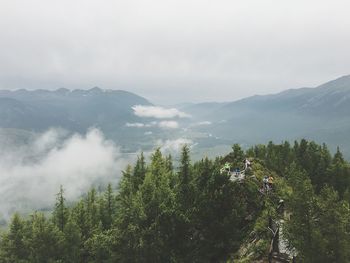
(194, 213)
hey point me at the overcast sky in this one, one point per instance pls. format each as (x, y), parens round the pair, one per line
(174, 51)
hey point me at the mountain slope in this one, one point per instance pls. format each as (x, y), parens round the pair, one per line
(321, 113)
(75, 111)
(330, 99)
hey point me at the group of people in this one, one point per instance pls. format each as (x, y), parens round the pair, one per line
(267, 180)
(267, 183)
(237, 171)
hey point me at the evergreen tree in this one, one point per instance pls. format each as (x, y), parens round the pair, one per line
(46, 240)
(334, 222)
(301, 230)
(92, 209)
(107, 207)
(236, 157)
(60, 212)
(339, 173)
(12, 247)
(184, 194)
(80, 218)
(139, 172)
(156, 206)
(126, 233)
(72, 243)
(99, 246)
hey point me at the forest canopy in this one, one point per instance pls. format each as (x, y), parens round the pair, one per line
(195, 213)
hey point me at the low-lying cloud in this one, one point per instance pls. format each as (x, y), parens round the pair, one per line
(161, 124)
(136, 125)
(169, 124)
(32, 173)
(158, 112)
(173, 145)
(202, 123)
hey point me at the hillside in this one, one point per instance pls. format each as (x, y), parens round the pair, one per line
(320, 114)
(74, 111)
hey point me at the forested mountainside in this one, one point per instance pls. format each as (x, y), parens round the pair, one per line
(24, 113)
(75, 110)
(201, 212)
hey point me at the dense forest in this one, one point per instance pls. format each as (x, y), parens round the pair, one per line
(195, 213)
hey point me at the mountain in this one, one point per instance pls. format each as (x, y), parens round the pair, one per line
(75, 111)
(330, 99)
(321, 114)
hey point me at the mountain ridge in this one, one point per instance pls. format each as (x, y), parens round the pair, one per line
(320, 113)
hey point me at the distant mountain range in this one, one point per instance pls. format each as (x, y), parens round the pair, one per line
(321, 114)
(73, 110)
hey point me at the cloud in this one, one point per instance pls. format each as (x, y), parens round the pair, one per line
(136, 125)
(158, 112)
(204, 123)
(201, 123)
(161, 124)
(169, 124)
(231, 50)
(31, 174)
(173, 145)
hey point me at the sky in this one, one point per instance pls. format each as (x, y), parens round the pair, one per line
(173, 51)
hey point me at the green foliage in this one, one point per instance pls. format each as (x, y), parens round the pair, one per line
(13, 247)
(318, 227)
(45, 241)
(107, 207)
(72, 244)
(60, 212)
(194, 213)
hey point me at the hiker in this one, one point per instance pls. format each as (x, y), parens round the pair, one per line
(238, 171)
(266, 181)
(226, 168)
(270, 182)
(246, 164)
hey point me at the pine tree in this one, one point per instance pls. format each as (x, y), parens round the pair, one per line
(334, 223)
(92, 209)
(139, 172)
(237, 155)
(301, 230)
(107, 207)
(339, 173)
(72, 242)
(154, 207)
(60, 212)
(46, 240)
(126, 233)
(12, 247)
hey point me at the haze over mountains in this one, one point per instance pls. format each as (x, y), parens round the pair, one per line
(320, 113)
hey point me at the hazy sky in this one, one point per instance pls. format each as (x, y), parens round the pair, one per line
(172, 51)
